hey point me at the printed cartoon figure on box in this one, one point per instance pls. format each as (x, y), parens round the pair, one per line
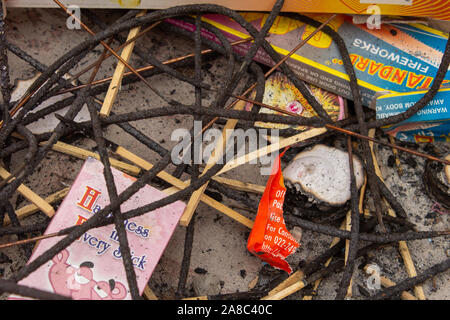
(78, 282)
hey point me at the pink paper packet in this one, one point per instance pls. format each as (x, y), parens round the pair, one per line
(91, 268)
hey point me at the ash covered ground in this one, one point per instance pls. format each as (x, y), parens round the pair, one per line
(220, 262)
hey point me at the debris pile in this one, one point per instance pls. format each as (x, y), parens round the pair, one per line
(317, 91)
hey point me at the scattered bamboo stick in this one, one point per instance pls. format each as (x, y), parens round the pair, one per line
(237, 185)
(296, 286)
(403, 247)
(148, 294)
(241, 186)
(218, 206)
(84, 154)
(81, 153)
(32, 208)
(282, 143)
(410, 268)
(104, 57)
(116, 81)
(106, 46)
(31, 196)
(179, 184)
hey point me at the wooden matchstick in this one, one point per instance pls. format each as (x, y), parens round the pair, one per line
(116, 81)
(402, 246)
(31, 196)
(179, 184)
(32, 208)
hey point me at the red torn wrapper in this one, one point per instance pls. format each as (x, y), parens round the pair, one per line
(269, 239)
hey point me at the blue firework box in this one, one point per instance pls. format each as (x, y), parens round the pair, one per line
(431, 123)
(397, 58)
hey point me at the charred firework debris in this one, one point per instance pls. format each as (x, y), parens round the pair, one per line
(330, 144)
